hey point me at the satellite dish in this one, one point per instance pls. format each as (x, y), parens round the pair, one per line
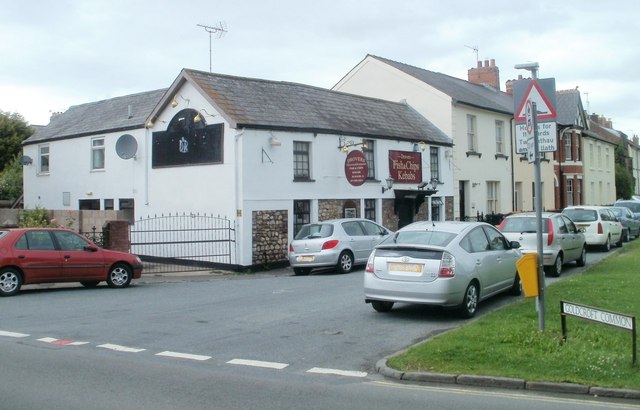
(26, 160)
(126, 146)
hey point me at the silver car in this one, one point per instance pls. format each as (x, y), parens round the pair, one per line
(630, 222)
(562, 242)
(342, 243)
(449, 264)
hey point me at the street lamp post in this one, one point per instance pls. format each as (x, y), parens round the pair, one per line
(533, 68)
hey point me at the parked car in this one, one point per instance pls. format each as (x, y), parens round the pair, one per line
(601, 227)
(632, 204)
(46, 255)
(630, 223)
(449, 264)
(562, 242)
(342, 243)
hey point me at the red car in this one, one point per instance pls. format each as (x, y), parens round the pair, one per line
(46, 255)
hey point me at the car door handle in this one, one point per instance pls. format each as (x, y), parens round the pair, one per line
(21, 257)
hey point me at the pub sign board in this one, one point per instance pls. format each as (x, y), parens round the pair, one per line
(356, 169)
(405, 166)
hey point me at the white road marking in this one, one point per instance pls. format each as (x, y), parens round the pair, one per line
(61, 342)
(258, 363)
(119, 348)
(12, 334)
(349, 373)
(183, 355)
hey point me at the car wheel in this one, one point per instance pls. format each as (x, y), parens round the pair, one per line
(470, 302)
(10, 282)
(90, 283)
(119, 276)
(381, 306)
(582, 261)
(301, 271)
(556, 269)
(516, 288)
(625, 236)
(345, 262)
(607, 245)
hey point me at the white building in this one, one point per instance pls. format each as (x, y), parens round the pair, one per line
(267, 156)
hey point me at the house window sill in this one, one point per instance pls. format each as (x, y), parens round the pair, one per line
(474, 153)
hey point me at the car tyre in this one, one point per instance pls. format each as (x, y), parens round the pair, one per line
(607, 245)
(119, 276)
(582, 260)
(345, 262)
(381, 306)
(10, 282)
(470, 301)
(301, 271)
(556, 269)
(516, 288)
(90, 283)
(625, 236)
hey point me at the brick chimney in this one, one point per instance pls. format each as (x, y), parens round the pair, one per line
(488, 74)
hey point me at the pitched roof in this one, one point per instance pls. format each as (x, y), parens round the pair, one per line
(264, 104)
(569, 108)
(460, 91)
(115, 114)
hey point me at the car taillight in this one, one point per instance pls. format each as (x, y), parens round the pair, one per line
(330, 244)
(369, 268)
(447, 266)
(291, 248)
(600, 230)
(549, 232)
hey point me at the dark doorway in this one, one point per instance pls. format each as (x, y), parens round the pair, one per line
(463, 210)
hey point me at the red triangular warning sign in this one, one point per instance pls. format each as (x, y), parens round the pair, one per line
(544, 108)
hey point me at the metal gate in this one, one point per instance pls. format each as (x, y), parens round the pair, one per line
(184, 242)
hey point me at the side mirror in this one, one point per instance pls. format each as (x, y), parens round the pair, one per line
(515, 244)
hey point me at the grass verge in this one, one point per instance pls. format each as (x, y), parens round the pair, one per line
(507, 342)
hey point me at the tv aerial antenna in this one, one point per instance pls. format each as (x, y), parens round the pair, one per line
(475, 50)
(218, 30)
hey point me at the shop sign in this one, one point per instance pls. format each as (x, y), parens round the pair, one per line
(405, 166)
(355, 168)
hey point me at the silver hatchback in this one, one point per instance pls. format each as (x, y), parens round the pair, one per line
(449, 264)
(562, 242)
(340, 243)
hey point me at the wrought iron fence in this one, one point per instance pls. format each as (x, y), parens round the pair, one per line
(95, 236)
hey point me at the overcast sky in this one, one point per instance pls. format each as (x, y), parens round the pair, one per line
(69, 52)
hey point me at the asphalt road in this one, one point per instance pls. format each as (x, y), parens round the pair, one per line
(267, 341)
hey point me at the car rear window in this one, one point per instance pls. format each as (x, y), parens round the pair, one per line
(315, 231)
(581, 215)
(523, 225)
(633, 206)
(421, 238)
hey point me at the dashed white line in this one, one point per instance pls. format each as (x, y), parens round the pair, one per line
(349, 373)
(183, 355)
(12, 334)
(119, 348)
(258, 363)
(61, 342)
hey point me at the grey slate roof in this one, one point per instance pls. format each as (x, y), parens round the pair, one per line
(99, 117)
(569, 108)
(460, 91)
(264, 104)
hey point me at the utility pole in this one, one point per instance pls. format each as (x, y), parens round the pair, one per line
(218, 30)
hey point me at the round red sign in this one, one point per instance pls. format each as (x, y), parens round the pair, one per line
(355, 168)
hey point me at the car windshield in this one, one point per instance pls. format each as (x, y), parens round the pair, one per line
(581, 215)
(3, 233)
(619, 212)
(634, 206)
(523, 224)
(315, 231)
(421, 238)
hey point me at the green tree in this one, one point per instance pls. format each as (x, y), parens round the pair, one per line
(624, 178)
(13, 130)
(11, 180)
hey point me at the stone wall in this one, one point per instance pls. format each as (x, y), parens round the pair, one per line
(270, 237)
(335, 208)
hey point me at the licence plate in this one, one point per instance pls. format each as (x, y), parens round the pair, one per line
(310, 258)
(405, 267)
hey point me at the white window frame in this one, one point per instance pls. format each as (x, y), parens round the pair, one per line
(493, 200)
(97, 152)
(472, 138)
(44, 155)
(499, 137)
